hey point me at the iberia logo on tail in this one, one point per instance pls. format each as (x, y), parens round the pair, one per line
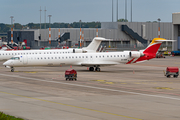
(150, 51)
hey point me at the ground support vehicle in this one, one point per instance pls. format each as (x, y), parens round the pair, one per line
(71, 74)
(172, 71)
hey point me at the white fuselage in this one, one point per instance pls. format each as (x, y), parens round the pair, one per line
(5, 55)
(91, 48)
(82, 59)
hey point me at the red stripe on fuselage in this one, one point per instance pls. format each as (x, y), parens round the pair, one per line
(130, 61)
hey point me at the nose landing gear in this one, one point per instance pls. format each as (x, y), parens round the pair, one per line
(12, 69)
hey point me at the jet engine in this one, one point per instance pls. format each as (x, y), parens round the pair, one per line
(136, 54)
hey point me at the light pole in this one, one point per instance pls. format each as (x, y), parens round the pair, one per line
(49, 28)
(11, 29)
(131, 10)
(112, 10)
(45, 17)
(80, 33)
(40, 25)
(117, 10)
(11, 21)
(159, 27)
(49, 20)
(125, 9)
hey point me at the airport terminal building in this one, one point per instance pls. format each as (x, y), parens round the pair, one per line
(131, 34)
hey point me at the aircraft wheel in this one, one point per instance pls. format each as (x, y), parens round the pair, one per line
(98, 69)
(12, 70)
(91, 68)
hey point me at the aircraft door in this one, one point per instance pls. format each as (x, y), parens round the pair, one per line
(25, 59)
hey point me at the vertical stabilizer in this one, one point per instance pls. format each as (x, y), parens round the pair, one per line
(93, 46)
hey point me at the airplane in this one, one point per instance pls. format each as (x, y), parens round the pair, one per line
(92, 47)
(91, 60)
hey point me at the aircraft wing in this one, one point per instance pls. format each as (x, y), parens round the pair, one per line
(107, 63)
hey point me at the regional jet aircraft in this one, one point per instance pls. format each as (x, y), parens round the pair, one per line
(92, 47)
(91, 60)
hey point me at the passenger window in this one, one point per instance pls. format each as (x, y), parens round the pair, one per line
(82, 56)
(72, 57)
(69, 57)
(111, 55)
(44, 57)
(114, 55)
(55, 57)
(99, 56)
(62, 57)
(76, 56)
(86, 56)
(124, 55)
(96, 56)
(59, 58)
(107, 55)
(117, 55)
(121, 55)
(79, 56)
(51, 57)
(66, 57)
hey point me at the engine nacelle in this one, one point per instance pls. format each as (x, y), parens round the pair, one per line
(77, 51)
(136, 54)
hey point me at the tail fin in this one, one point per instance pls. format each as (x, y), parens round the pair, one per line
(93, 46)
(151, 50)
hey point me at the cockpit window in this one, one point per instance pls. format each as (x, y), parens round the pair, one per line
(15, 58)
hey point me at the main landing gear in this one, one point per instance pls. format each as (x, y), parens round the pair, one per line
(96, 69)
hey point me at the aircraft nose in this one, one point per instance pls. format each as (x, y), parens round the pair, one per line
(7, 63)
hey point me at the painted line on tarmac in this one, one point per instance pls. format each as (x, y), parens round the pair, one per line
(72, 106)
(99, 88)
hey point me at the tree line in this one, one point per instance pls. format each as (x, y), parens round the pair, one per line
(6, 27)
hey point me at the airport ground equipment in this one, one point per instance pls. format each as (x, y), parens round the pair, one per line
(71, 74)
(172, 71)
(174, 53)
